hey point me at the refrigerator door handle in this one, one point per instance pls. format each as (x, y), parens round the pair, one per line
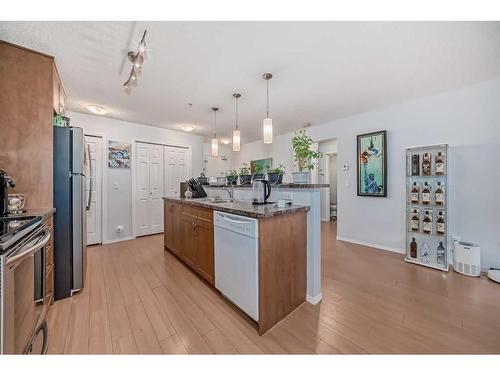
(91, 178)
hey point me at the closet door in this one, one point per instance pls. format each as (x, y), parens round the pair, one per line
(176, 169)
(142, 208)
(156, 187)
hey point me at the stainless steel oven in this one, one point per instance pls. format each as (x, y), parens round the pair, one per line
(22, 294)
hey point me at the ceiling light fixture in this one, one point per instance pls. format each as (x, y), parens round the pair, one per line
(97, 109)
(267, 124)
(137, 59)
(215, 141)
(236, 132)
(188, 127)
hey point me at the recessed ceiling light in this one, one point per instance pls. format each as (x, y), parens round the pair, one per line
(187, 128)
(226, 141)
(97, 109)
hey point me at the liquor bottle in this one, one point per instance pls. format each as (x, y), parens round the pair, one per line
(440, 224)
(415, 220)
(414, 193)
(440, 253)
(413, 248)
(439, 194)
(415, 165)
(427, 222)
(439, 163)
(426, 194)
(426, 164)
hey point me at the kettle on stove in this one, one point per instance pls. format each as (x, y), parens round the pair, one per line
(261, 190)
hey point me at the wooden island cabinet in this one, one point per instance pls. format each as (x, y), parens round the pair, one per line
(282, 250)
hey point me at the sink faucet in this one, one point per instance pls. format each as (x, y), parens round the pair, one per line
(230, 191)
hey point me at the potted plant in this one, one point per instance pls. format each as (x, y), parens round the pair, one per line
(275, 175)
(258, 171)
(232, 177)
(245, 176)
(304, 157)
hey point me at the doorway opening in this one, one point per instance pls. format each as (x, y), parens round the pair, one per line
(327, 174)
(93, 188)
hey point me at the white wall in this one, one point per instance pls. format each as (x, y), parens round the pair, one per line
(217, 166)
(118, 209)
(468, 119)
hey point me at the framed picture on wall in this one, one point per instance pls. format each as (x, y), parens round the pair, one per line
(372, 164)
(119, 154)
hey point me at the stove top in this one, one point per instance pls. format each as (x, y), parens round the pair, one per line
(12, 229)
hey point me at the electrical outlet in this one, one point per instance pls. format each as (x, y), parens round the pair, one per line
(288, 196)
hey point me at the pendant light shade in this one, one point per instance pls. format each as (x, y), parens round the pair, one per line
(236, 132)
(215, 140)
(267, 124)
(215, 147)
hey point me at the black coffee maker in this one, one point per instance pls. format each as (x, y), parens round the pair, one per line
(6, 182)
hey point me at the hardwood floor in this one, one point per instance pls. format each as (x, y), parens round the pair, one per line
(140, 299)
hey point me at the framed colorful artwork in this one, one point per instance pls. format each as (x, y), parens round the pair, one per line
(372, 164)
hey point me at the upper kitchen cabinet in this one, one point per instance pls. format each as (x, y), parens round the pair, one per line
(27, 102)
(59, 95)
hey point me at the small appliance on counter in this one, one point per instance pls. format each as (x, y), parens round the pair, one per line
(203, 179)
(467, 258)
(261, 190)
(6, 182)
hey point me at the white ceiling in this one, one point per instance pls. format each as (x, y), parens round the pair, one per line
(322, 70)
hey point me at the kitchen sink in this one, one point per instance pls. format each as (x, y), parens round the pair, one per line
(219, 200)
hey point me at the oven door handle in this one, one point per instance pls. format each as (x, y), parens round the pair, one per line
(41, 242)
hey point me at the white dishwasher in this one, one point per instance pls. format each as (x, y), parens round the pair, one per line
(237, 260)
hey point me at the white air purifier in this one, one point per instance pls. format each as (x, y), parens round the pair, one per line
(467, 258)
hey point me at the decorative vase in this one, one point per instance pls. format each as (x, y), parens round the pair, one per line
(301, 177)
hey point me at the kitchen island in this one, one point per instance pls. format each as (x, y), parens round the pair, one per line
(280, 237)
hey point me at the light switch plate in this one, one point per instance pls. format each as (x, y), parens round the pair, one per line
(115, 185)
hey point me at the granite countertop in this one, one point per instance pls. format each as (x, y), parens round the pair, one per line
(241, 208)
(44, 213)
(282, 186)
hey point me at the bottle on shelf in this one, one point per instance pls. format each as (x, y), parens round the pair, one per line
(440, 163)
(414, 193)
(427, 222)
(426, 164)
(426, 254)
(426, 193)
(440, 253)
(415, 220)
(413, 248)
(439, 194)
(440, 223)
(415, 165)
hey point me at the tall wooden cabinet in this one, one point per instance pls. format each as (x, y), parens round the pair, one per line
(31, 91)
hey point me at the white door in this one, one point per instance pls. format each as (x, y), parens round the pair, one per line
(156, 187)
(142, 221)
(176, 169)
(149, 189)
(93, 178)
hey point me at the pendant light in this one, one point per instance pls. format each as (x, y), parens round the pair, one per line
(236, 132)
(215, 140)
(267, 124)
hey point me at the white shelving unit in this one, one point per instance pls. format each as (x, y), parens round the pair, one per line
(431, 248)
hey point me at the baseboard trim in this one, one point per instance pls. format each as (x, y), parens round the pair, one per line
(374, 245)
(314, 300)
(118, 240)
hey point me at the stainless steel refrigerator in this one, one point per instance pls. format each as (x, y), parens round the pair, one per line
(70, 233)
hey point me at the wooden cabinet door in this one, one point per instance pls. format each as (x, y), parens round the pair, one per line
(188, 240)
(168, 224)
(205, 250)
